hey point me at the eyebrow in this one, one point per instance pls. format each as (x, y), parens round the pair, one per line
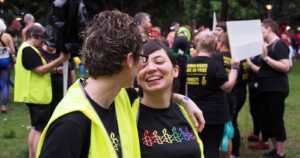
(159, 56)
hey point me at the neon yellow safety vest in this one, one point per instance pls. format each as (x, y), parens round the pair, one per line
(100, 143)
(29, 86)
(135, 110)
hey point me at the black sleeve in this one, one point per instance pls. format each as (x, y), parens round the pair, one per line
(220, 76)
(281, 51)
(132, 94)
(31, 59)
(67, 137)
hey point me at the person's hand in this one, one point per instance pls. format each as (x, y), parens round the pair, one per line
(235, 63)
(195, 114)
(249, 61)
(64, 57)
(59, 70)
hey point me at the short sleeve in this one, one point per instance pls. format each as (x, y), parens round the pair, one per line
(220, 76)
(70, 129)
(30, 59)
(281, 51)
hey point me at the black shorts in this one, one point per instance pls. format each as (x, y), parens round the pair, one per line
(39, 115)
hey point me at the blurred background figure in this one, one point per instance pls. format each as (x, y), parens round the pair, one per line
(28, 20)
(7, 49)
(171, 36)
(143, 20)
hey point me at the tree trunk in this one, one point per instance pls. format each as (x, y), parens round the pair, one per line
(224, 10)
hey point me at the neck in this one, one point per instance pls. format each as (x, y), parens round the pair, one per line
(30, 41)
(157, 100)
(224, 49)
(103, 90)
(204, 53)
(273, 37)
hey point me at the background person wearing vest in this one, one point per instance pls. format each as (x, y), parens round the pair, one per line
(33, 83)
(7, 49)
(165, 129)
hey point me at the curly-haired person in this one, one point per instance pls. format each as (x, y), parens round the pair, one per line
(94, 119)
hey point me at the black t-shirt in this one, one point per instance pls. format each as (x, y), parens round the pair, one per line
(253, 81)
(30, 59)
(166, 133)
(56, 78)
(269, 78)
(243, 73)
(205, 75)
(69, 135)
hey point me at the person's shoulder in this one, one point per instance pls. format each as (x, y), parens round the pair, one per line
(76, 118)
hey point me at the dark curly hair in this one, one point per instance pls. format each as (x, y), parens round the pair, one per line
(108, 39)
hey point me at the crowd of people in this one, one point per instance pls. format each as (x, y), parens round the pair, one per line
(147, 95)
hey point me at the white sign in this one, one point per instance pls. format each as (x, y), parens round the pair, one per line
(245, 38)
(214, 22)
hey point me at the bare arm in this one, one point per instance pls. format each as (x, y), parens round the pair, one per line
(41, 70)
(192, 109)
(228, 85)
(252, 66)
(11, 45)
(282, 65)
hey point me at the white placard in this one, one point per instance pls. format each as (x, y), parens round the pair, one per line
(245, 38)
(214, 22)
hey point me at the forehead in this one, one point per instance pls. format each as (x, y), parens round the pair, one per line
(158, 53)
(219, 29)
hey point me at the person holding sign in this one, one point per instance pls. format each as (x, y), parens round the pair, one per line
(273, 85)
(207, 83)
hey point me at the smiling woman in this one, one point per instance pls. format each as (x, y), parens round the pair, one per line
(164, 128)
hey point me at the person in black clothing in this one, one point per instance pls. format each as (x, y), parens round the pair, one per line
(207, 81)
(273, 86)
(164, 128)
(49, 53)
(256, 110)
(181, 51)
(223, 55)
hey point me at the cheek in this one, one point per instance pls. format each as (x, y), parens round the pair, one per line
(140, 76)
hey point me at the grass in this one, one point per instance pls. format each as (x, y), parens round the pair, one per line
(14, 126)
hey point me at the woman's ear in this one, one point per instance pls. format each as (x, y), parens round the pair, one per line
(176, 71)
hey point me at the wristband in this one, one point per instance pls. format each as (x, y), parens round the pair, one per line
(234, 68)
(184, 100)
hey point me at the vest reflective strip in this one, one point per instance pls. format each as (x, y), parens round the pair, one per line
(100, 143)
(29, 86)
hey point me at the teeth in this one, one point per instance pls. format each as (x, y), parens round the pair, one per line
(153, 78)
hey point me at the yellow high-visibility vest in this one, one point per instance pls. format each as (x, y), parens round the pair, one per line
(31, 87)
(100, 143)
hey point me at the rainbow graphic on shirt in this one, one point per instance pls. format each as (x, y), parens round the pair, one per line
(175, 135)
